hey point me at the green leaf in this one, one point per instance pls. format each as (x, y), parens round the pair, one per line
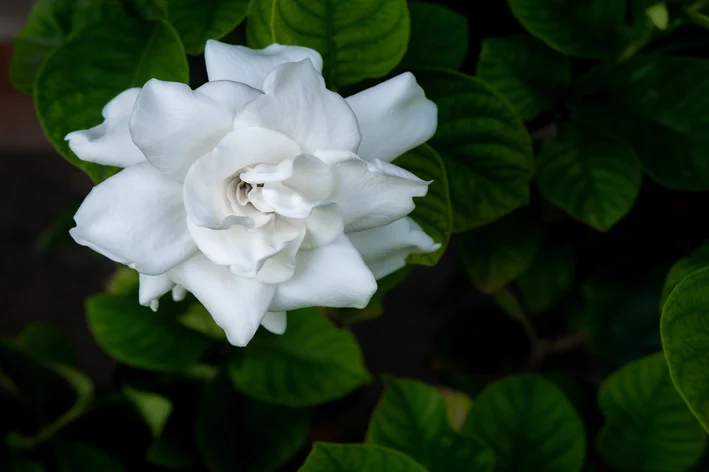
(439, 37)
(411, 417)
(238, 433)
(648, 426)
(530, 425)
(199, 20)
(313, 362)
(549, 277)
(78, 457)
(357, 458)
(374, 308)
(526, 71)
(198, 319)
(48, 342)
(20, 465)
(595, 178)
(155, 409)
(698, 259)
(498, 253)
(361, 40)
(592, 29)
(138, 337)
(685, 339)
(113, 57)
(484, 146)
(433, 212)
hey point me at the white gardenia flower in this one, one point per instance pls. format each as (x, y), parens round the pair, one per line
(260, 191)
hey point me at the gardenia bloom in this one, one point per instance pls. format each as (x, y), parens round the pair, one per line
(260, 191)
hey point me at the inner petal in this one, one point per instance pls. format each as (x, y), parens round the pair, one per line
(263, 173)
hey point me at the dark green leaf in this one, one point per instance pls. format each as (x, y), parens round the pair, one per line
(77, 457)
(21, 465)
(433, 212)
(484, 146)
(498, 253)
(358, 458)
(439, 37)
(357, 40)
(93, 67)
(685, 338)
(530, 424)
(411, 417)
(595, 178)
(313, 362)
(550, 276)
(648, 426)
(198, 318)
(526, 71)
(176, 447)
(199, 20)
(48, 342)
(154, 408)
(698, 259)
(138, 337)
(374, 308)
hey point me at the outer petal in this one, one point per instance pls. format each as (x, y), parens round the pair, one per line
(275, 322)
(136, 218)
(237, 304)
(251, 66)
(174, 125)
(332, 275)
(393, 117)
(298, 104)
(109, 143)
(152, 287)
(324, 224)
(385, 249)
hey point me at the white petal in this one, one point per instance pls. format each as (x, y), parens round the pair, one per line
(251, 66)
(178, 293)
(324, 224)
(237, 304)
(374, 193)
(152, 287)
(206, 192)
(174, 125)
(109, 143)
(385, 249)
(281, 266)
(311, 178)
(275, 322)
(136, 218)
(332, 275)
(393, 117)
(298, 104)
(263, 173)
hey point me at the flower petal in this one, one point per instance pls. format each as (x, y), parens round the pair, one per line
(109, 143)
(152, 287)
(137, 218)
(393, 117)
(332, 275)
(298, 104)
(237, 304)
(385, 249)
(311, 178)
(252, 66)
(174, 125)
(324, 224)
(275, 321)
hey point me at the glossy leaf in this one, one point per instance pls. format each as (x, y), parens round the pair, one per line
(549, 277)
(411, 417)
(115, 56)
(313, 362)
(357, 40)
(484, 146)
(136, 336)
(196, 21)
(526, 71)
(648, 426)
(698, 259)
(48, 342)
(530, 425)
(356, 458)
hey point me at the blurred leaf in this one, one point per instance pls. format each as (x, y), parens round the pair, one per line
(366, 39)
(77, 457)
(698, 259)
(176, 448)
(374, 308)
(136, 336)
(48, 342)
(21, 465)
(508, 303)
(530, 425)
(484, 146)
(659, 15)
(498, 253)
(411, 417)
(592, 29)
(648, 426)
(526, 71)
(458, 405)
(238, 433)
(439, 37)
(357, 458)
(313, 362)
(549, 277)
(199, 20)
(56, 233)
(198, 319)
(685, 338)
(124, 281)
(154, 408)
(115, 56)
(596, 179)
(433, 212)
